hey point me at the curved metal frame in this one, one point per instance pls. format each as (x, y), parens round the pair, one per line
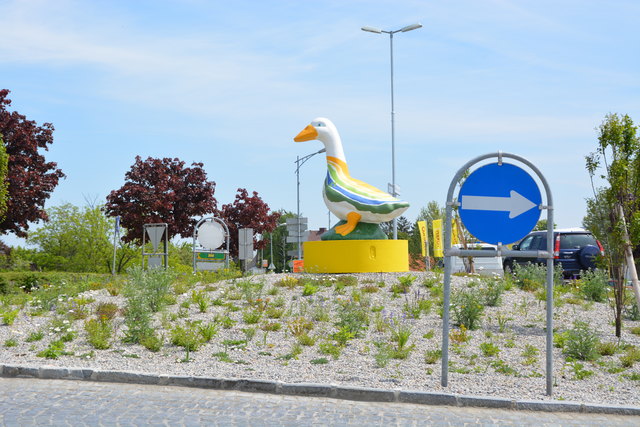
(449, 252)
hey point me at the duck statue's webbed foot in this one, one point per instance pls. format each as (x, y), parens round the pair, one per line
(353, 218)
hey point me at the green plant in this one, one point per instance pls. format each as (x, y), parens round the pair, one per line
(594, 285)
(502, 321)
(251, 317)
(579, 373)
(503, 367)
(106, 310)
(607, 348)
(459, 335)
(35, 336)
(309, 289)
(11, 342)
(152, 342)
(152, 284)
(271, 326)
(489, 349)
(99, 333)
(299, 325)
(208, 331)
(319, 361)
(432, 356)
(492, 290)
(186, 336)
(630, 356)
(307, 340)
(342, 336)
(416, 304)
(581, 342)
(467, 308)
(352, 317)
(330, 348)
(54, 350)
(635, 330)
(8, 317)
(530, 351)
(201, 299)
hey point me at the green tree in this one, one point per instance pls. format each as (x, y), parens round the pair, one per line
(617, 161)
(74, 239)
(277, 240)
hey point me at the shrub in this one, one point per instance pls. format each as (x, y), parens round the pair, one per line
(594, 285)
(186, 336)
(467, 308)
(492, 291)
(630, 356)
(153, 284)
(330, 348)
(489, 349)
(581, 342)
(353, 318)
(106, 310)
(8, 317)
(99, 333)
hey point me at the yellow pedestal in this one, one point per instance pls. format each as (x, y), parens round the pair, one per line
(356, 256)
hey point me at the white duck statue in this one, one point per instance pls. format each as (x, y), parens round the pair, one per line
(349, 199)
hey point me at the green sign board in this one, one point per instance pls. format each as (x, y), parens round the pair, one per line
(212, 256)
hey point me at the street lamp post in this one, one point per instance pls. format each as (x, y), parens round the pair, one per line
(394, 193)
(299, 162)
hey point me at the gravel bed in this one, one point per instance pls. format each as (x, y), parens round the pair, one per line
(509, 374)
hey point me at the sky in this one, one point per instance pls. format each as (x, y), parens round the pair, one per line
(230, 83)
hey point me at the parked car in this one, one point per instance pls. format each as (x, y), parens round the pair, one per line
(486, 266)
(575, 249)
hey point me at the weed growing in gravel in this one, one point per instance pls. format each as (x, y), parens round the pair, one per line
(489, 349)
(319, 361)
(99, 333)
(594, 285)
(35, 336)
(106, 310)
(330, 348)
(11, 342)
(581, 342)
(9, 316)
(579, 372)
(607, 348)
(416, 304)
(432, 356)
(467, 308)
(631, 355)
(459, 335)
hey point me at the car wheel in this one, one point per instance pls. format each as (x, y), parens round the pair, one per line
(587, 256)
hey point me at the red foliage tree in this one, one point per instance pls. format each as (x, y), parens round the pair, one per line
(248, 212)
(162, 190)
(31, 178)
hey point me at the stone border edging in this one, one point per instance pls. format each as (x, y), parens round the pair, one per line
(363, 394)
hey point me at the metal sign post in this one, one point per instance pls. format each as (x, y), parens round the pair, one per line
(498, 203)
(156, 232)
(245, 245)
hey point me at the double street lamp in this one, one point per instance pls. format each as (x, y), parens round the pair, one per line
(393, 191)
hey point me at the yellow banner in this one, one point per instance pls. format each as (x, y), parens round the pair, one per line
(438, 244)
(454, 232)
(424, 239)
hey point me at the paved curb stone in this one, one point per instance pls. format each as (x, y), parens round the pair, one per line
(363, 394)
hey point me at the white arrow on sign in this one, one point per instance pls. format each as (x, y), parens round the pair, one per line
(516, 204)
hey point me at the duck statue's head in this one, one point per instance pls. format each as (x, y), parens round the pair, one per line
(325, 131)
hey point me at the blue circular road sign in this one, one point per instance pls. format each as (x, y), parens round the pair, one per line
(499, 203)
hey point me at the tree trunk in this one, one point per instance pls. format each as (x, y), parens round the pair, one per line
(628, 254)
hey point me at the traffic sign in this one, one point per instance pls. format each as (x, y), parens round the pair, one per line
(499, 203)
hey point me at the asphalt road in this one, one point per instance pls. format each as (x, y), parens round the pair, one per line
(35, 402)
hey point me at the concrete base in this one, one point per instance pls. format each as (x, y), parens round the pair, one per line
(356, 256)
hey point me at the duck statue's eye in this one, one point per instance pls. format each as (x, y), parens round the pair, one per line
(320, 125)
